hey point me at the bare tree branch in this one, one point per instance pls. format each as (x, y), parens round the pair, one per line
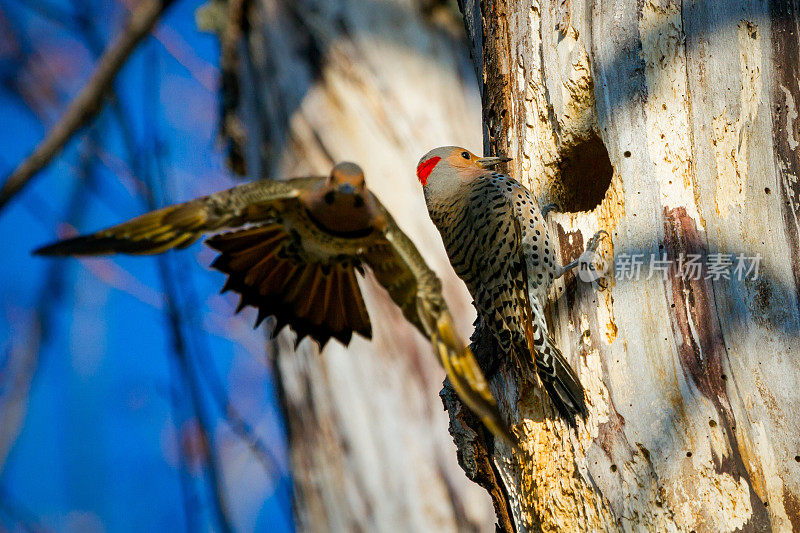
(89, 102)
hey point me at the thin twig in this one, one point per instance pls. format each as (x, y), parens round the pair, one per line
(174, 315)
(89, 102)
(31, 82)
(218, 394)
(189, 496)
(177, 358)
(180, 354)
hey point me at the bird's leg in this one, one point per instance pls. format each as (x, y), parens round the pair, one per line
(591, 247)
(550, 208)
(560, 271)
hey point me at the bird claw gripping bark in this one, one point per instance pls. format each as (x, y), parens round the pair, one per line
(550, 208)
(591, 246)
(594, 242)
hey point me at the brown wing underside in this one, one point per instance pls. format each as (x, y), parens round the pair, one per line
(320, 300)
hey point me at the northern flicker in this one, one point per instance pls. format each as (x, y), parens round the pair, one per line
(293, 253)
(497, 242)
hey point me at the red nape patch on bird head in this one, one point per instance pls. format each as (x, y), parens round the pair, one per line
(425, 168)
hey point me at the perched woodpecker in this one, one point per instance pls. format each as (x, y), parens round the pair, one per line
(497, 242)
(294, 251)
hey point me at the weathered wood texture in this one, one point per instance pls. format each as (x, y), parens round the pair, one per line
(693, 384)
(379, 83)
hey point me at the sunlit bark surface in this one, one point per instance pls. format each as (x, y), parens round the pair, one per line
(692, 383)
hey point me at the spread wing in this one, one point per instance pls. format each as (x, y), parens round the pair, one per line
(263, 261)
(401, 270)
(399, 267)
(180, 225)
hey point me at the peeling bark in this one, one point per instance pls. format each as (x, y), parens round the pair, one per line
(673, 126)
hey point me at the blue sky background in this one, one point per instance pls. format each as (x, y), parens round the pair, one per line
(109, 441)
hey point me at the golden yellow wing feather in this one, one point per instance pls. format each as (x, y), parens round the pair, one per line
(178, 226)
(400, 268)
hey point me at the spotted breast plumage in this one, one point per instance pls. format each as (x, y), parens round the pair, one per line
(497, 242)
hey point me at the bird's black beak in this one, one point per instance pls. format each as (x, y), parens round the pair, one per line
(491, 162)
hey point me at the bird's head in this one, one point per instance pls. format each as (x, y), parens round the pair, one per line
(342, 202)
(443, 170)
(347, 178)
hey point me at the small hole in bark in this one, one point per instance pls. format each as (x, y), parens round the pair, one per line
(797, 458)
(712, 423)
(627, 153)
(766, 190)
(766, 504)
(724, 377)
(688, 454)
(585, 175)
(613, 468)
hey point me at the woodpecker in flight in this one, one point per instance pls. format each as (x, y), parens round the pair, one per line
(497, 242)
(293, 253)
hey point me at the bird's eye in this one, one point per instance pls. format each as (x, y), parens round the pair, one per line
(465, 155)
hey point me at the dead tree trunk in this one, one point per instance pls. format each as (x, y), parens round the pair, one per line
(673, 126)
(376, 82)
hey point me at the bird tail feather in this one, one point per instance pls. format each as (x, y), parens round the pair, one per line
(561, 383)
(320, 300)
